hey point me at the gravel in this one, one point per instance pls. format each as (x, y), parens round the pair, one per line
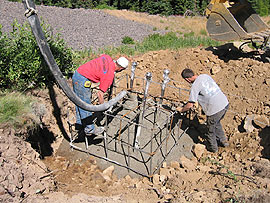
(80, 28)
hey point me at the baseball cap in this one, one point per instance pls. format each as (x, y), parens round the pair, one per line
(123, 62)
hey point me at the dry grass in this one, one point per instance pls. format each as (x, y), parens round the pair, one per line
(172, 23)
(180, 24)
(16, 111)
(266, 19)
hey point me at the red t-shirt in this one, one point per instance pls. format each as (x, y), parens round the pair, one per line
(99, 70)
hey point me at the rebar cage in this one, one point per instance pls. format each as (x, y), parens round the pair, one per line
(141, 132)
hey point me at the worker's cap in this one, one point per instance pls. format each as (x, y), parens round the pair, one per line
(123, 62)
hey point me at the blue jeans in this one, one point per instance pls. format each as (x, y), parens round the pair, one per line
(215, 132)
(83, 117)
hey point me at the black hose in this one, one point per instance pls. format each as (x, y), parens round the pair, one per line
(47, 54)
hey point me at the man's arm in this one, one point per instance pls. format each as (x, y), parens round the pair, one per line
(188, 106)
(100, 95)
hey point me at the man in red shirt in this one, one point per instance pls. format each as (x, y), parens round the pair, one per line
(100, 70)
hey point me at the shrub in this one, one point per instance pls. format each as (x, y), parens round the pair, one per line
(127, 40)
(3, 60)
(104, 6)
(162, 7)
(21, 63)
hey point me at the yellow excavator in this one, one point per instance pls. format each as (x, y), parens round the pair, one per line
(235, 20)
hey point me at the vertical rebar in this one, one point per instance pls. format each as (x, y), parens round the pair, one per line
(106, 120)
(166, 144)
(110, 93)
(105, 136)
(151, 143)
(151, 152)
(128, 148)
(166, 79)
(86, 142)
(178, 128)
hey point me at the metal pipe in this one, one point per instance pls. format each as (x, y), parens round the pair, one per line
(166, 79)
(148, 78)
(132, 76)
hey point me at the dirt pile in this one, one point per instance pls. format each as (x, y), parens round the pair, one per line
(244, 80)
(23, 174)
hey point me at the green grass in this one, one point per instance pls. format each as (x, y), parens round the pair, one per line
(188, 35)
(229, 173)
(203, 32)
(16, 110)
(171, 41)
(154, 42)
(81, 57)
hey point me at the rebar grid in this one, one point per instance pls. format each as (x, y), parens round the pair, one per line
(140, 132)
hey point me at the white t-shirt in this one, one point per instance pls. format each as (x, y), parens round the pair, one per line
(205, 90)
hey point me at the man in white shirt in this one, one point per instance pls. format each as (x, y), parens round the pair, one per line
(214, 103)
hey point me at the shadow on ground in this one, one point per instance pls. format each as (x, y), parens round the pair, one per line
(265, 142)
(229, 52)
(41, 140)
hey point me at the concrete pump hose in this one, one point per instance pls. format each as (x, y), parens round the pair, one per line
(47, 54)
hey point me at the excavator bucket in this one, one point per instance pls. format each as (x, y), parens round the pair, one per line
(234, 20)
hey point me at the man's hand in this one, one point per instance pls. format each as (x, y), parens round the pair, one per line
(188, 106)
(179, 109)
